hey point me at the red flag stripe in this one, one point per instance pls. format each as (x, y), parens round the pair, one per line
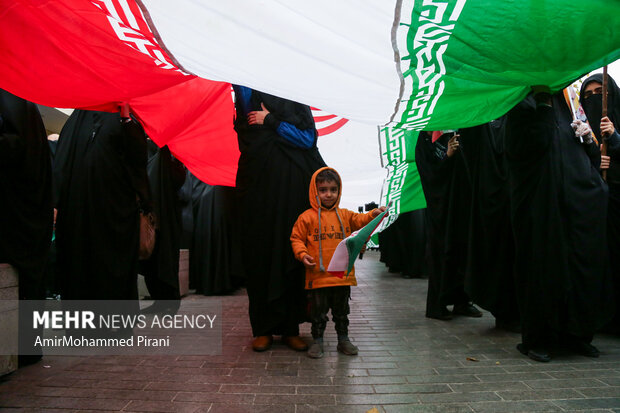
(324, 118)
(332, 128)
(327, 123)
(90, 55)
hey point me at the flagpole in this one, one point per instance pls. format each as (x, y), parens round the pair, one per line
(605, 91)
(604, 113)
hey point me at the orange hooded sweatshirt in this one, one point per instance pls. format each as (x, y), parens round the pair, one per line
(318, 231)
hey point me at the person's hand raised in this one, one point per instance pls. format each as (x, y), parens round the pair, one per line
(453, 145)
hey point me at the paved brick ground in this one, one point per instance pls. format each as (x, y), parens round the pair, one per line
(407, 363)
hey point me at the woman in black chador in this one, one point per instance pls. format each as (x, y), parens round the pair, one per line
(161, 270)
(277, 139)
(591, 99)
(101, 184)
(558, 205)
(489, 275)
(447, 191)
(215, 266)
(25, 204)
(25, 192)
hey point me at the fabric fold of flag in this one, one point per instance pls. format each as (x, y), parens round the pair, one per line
(401, 64)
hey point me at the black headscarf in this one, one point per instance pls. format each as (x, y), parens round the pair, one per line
(593, 105)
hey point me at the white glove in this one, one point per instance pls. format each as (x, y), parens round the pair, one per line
(582, 131)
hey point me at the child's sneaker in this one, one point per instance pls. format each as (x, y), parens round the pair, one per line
(316, 350)
(346, 347)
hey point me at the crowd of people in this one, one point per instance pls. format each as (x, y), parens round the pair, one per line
(519, 220)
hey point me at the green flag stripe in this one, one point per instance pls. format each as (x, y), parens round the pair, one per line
(466, 62)
(402, 186)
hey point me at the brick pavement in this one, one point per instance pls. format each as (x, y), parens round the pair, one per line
(407, 363)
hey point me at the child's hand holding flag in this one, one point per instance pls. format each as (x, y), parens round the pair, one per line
(348, 249)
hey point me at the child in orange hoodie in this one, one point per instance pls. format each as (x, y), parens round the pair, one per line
(315, 235)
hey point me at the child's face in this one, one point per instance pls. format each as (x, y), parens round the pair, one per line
(328, 193)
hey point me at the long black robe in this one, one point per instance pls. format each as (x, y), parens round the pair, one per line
(403, 244)
(215, 265)
(25, 193)
(50, 283)
(187, 211)
(558, 200)
(52, 145)
(161, 270)
(446, 188)
(25, 207)
(489, 278)
(594, 114)
(101, 182)
(272, 181)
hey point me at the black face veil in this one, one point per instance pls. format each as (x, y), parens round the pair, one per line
(593, 105)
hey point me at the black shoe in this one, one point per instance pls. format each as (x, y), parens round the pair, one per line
(584, 349)
(467, 310)
(537, 354)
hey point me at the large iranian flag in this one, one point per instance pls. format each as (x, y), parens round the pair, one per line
(401, 64)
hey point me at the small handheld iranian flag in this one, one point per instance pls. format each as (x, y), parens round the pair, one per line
(349, 248)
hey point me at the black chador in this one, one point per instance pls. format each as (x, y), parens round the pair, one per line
(215, 265)
(161, 270)
(25, 205)
(272, 181)
(558, 201)
(593, 106)
(25, 193)
(489, 278)
(403, 244)
(101, 183)
(447, 191)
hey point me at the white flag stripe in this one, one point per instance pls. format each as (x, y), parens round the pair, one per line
(326, 123)
(334, 53)
(128, 13)
(352, 150)
(323, 119)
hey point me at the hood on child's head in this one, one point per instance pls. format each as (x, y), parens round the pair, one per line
(314, 193)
